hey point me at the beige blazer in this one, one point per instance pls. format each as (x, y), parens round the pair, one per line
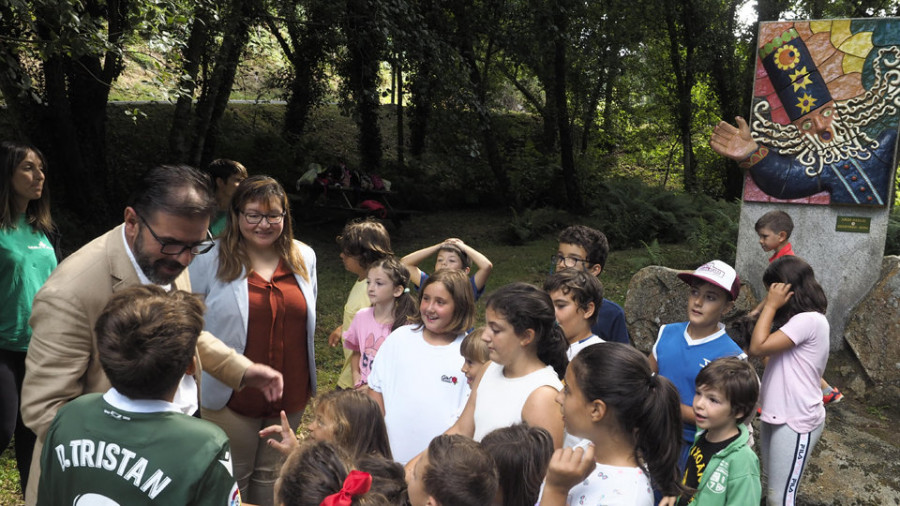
(62, 361)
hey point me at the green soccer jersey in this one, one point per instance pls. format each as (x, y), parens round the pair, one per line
(26, 260)
(98, 454)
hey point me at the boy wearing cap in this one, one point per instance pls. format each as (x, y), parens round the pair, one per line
(682, 349)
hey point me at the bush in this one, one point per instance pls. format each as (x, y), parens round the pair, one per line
(533, 223)
(633, 214)
(892, 244)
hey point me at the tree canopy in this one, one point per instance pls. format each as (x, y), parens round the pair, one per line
(615, 86)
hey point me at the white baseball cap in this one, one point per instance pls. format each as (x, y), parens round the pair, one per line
(717, 273)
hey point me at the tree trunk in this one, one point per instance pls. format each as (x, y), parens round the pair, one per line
(399, 87)
(679, 24)
(729, 80)
(610, 135)
(220, 80)
(364, 45)
(419, 88)
(193, 53)
(222, 96)
(567, 157)
(485, 124)
(309, 44)
(589, 113)
(550, 113)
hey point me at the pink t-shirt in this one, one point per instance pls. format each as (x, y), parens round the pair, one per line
(790, 391)
(365, 335)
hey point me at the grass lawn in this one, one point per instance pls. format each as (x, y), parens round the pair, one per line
(483, 230)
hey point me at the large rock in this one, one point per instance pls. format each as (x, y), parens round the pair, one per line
(873, 333)
(656, 296)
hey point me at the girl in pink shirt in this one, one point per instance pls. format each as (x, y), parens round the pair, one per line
(793, 414)
(392, 307)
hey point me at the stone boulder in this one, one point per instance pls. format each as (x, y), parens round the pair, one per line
(873, 333)
(656, 296)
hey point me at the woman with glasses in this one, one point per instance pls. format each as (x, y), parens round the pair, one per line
(260, 289)
(26, 260)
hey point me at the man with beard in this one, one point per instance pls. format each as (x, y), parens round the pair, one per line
(165, 227)
(824, 148)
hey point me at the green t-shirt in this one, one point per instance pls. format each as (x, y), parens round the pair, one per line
(95, 452)
(217, 227)
(26, 260)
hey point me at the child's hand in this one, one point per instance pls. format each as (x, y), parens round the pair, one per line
(288, 438)
(334, 338)
(779, 294)
(454, 241)
(668, 500)
(569, 467)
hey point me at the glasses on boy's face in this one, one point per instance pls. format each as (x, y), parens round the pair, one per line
(567, 261)
(175, 248)
(256, 218)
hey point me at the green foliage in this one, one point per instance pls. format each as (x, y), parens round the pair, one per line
(715, 233)
(634, 214)
(532, 223)
(892, 243)
(652, 254)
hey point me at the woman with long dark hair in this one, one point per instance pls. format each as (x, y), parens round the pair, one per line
(26, 259)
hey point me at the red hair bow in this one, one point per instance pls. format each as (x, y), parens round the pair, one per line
(356, 483)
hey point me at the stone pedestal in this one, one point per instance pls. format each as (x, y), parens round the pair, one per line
(847, 264)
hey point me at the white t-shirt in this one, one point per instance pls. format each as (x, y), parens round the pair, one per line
(422, 386)
(577, 346)
(499, 400)
(613, 486)
(790, 392)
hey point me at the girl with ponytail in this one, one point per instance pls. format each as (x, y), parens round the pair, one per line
(528, 359)
(632, 418)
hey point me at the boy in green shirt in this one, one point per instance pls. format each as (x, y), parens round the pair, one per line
(722, 467)
(131, 445)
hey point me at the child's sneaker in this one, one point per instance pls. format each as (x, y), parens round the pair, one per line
(834, 397)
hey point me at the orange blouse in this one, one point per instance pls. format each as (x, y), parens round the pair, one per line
(276, 336)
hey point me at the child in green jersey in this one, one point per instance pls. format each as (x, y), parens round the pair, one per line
(132, 445)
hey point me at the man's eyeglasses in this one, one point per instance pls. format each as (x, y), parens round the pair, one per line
(177, 248)
(567, 261)
(256, 218)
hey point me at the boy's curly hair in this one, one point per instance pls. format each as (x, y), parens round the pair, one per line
(592, 240)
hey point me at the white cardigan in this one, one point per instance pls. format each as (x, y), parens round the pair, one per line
(228, 310)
